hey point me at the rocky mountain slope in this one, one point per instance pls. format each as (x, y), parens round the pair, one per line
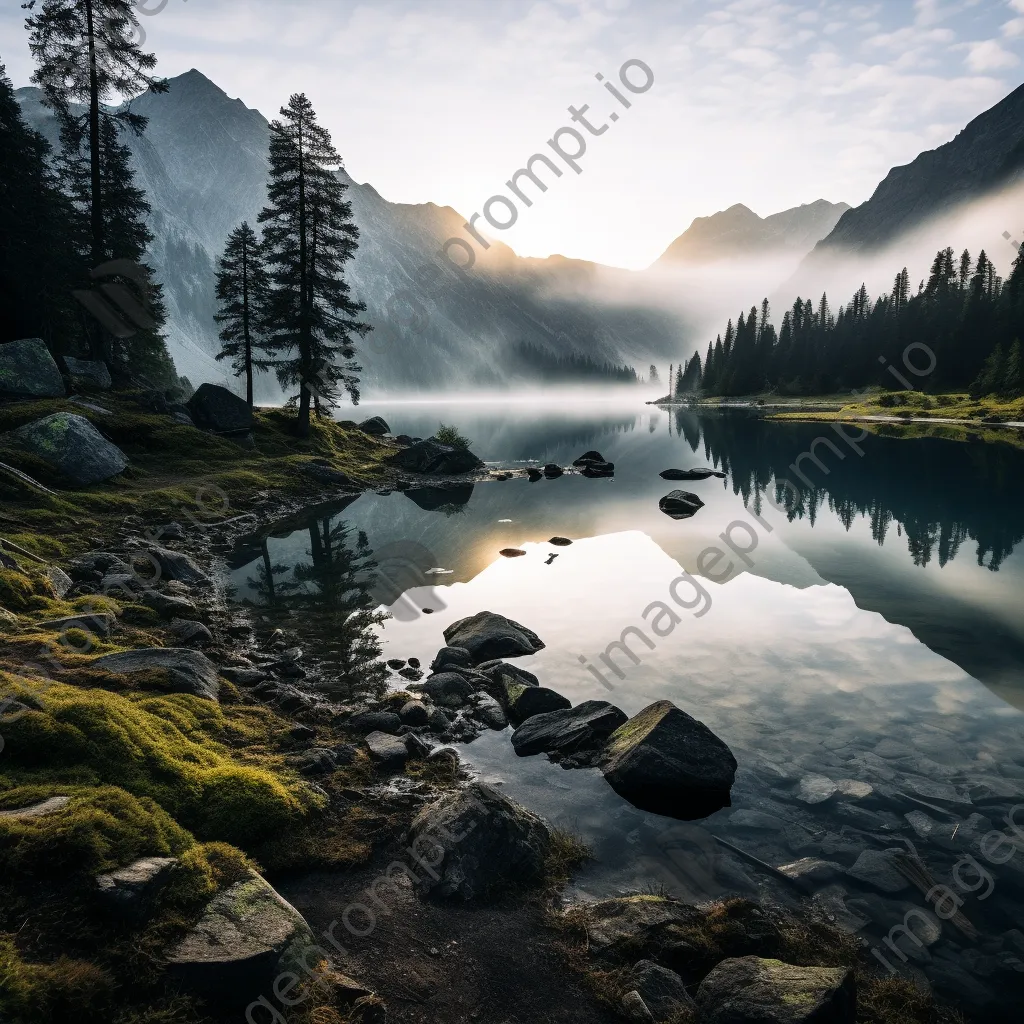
(987, 155)
(203, 164)
(739, 232)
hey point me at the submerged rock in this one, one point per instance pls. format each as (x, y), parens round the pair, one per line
(488, 635)
(665, 761)
(187, 671)
(750, 988)
(680, 504)
(215, 408)
(430, 456)
(689, 474)
(569, 731)
(72, 447)
(599, 469)
(28, 369)
(478, 842)
(247, 939)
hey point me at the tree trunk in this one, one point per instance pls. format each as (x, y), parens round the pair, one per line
(305, 353)
(245, 324)
(96, 338)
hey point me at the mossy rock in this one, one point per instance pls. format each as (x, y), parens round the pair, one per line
(161, 747)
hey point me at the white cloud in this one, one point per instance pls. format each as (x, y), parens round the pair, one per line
(989, 56)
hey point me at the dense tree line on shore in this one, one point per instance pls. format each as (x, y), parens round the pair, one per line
(573, 366)
(959, 331)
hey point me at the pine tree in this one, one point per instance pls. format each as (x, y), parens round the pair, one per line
(653, 375)
(1012, 383)
(39, 266)
(964, 277)
(87, 56)
(242, 294)
(992, 375)
(309, 235)
(671, 380)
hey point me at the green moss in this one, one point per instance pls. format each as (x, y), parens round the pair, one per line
(165, 748)
(100, 828)
(16, 590)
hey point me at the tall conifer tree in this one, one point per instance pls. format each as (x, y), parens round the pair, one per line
(309, 235)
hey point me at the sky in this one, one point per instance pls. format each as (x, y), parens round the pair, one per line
(760, 102)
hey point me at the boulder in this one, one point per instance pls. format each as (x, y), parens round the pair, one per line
(443, 497)
(91, 374)
(879, 868)
(215, 408)
(488, 635)
(430, 456)
(527, 701)
(665, 761)
(188, 671)
(750, 988)
(589, 458)
(489, 711)
(478, 841)
(599, 469)
(443, 686)
(169, 606)
(46, 807)
(552, 472)
(414, 713)
(680, 504)
(449, 657)
(130, 891)
(689, 474)
(662, 991)
(375, 425)
(248, 938)
(375, 721)
(635, 1009)
(534, 474)
(58, 579)
(28, 369)
(560, 542)
(188, 631)
(176, 565)
(569, 731)
(72, 447)
(100, 623)
(389, 751)
(628, 923)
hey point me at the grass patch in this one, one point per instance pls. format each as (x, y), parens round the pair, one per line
(451, 437)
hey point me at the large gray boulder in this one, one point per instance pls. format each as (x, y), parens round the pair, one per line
(570, 731)
(176, 565)
(90, 374)
(187, 671)
(488, 635)
(375, 425)
(28, 369)
(72, 447)
(215, 408)
(477, 842)
(247, 939)
(527, 701)
(430, 456)
(665, 761)
(751, 990)
(625, 923)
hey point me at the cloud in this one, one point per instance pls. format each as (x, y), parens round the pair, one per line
(989, 56)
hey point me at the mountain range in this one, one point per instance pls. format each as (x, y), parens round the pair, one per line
(203, 165)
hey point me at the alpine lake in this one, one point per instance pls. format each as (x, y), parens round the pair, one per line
(858, 644)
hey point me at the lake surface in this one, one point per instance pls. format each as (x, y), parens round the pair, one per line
(864, 660)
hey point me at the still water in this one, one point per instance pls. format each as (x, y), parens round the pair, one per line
(864, 661)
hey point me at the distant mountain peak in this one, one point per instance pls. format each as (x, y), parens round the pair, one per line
(738, 231)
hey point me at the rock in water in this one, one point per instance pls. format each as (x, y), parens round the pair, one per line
(27, 368)
(430, 456)
(488, 636)
(73, 447)
(680, 504)
(447, 657)
(664, 761)
(527, 701)
(187, 671)
(552, 472)
(248, 937)
(582, 728)
(477, 842)
(375, 425)
(689, 474)
(589, 458)
(215, 408)
(770, 992)
(88, 374)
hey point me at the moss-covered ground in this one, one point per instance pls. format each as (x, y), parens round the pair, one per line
(145, 772)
